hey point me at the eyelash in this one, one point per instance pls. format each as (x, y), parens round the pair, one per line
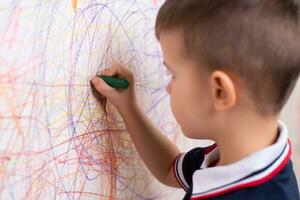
(168, 73)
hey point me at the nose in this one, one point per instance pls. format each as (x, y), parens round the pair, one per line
(169, 88)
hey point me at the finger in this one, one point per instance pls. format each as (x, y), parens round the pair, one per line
(95, 93)
(118, 70)
(109, 72)
(101, 86)
(122, 71)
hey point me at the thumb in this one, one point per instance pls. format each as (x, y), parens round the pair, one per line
(109, 72)
(122, 71)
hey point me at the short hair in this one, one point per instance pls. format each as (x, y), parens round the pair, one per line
(256, 39)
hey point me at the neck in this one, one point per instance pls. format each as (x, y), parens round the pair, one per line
(245, 137)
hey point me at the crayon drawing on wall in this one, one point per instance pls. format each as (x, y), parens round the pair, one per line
(56, 142)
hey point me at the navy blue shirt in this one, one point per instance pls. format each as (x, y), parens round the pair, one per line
(266, 174)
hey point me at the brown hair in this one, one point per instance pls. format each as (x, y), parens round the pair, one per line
(256, 39)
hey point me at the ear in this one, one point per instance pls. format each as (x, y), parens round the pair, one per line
(223, 91)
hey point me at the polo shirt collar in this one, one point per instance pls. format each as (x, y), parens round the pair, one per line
(253, 170)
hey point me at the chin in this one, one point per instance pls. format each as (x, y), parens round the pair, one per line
(190, 134)
(194, 134)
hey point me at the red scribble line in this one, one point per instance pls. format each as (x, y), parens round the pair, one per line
(12, 29)
(43, 170)
(14, 72)
(29, 153)
(90, 193)
(49, 85)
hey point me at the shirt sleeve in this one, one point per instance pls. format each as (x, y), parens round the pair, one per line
(186, 164)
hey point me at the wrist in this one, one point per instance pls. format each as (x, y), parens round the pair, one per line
(130, 108)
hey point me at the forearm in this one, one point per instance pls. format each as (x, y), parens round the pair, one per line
(156, 150)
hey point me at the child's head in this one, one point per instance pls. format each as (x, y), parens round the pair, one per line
(238, 47)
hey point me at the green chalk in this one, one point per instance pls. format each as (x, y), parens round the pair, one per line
(115, 82)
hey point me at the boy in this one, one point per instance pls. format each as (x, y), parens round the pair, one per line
(234, 64)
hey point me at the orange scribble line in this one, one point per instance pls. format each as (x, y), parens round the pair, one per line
(74, 5)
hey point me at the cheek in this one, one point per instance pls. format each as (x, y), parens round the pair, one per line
(181, 113)
(178, 103)
(189, 111)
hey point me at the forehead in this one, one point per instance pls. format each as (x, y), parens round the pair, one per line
(175, 54)
(183, 67)
(172, 43)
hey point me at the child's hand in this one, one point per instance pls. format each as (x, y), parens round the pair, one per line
(156, 150)
(122, 99)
